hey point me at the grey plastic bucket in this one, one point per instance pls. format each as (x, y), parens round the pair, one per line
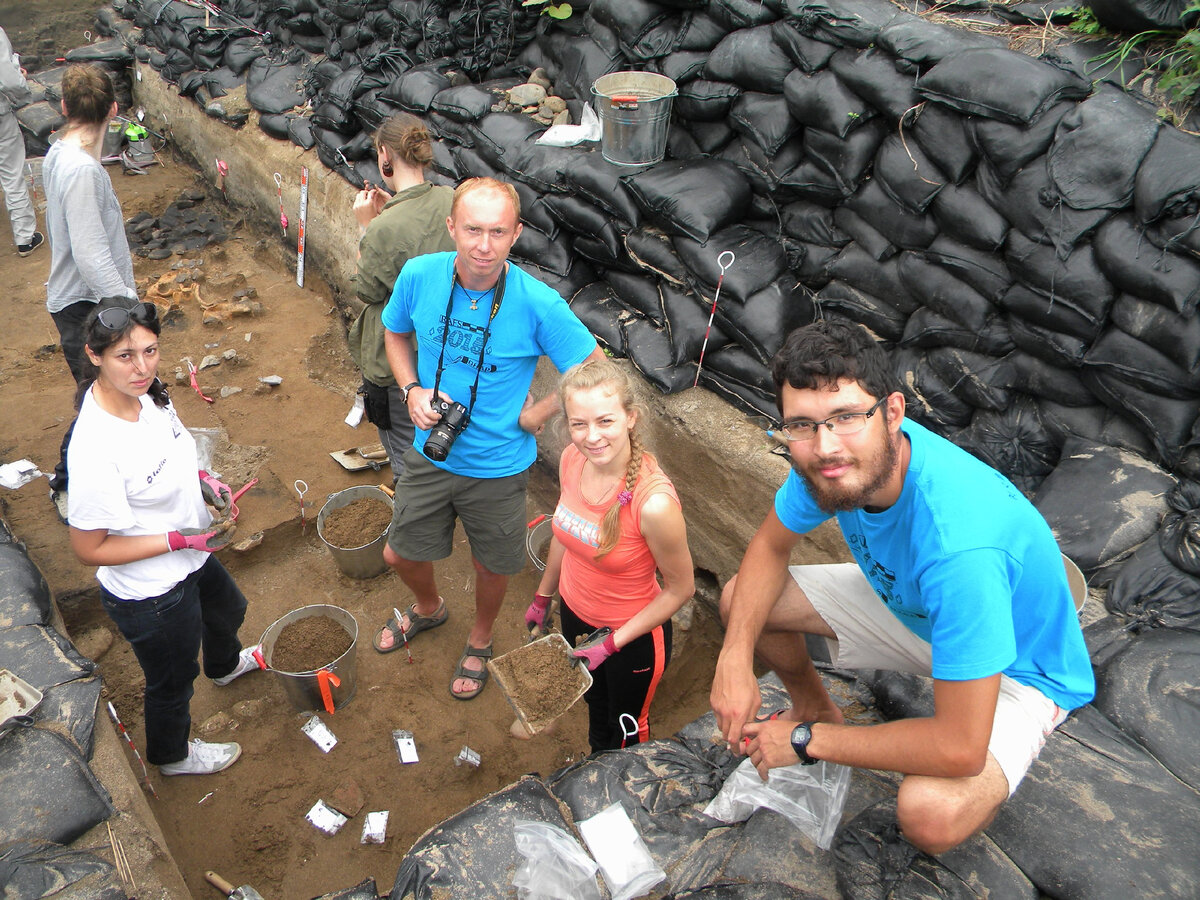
(635, 112)
(304, 689)
(357, 562)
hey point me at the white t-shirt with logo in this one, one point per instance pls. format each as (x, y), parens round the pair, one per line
(135, 478)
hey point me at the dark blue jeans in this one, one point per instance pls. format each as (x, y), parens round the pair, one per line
(205, 610)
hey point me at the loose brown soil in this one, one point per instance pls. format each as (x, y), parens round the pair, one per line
(356, 524)
(540, 681)
(308, 644)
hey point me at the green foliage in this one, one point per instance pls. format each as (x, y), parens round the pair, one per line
(553, 10)
(1084, 21)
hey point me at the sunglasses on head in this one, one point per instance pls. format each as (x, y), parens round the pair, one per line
(116, 318)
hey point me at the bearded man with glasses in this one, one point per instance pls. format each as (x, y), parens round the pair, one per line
(956, 576)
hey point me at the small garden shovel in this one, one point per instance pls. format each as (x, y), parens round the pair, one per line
(245, 892)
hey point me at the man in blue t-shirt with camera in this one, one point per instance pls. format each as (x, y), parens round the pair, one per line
(956, 576)
(479, 325)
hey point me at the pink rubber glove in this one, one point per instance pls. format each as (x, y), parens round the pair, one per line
(206, 540)
(217, 493)
(535, 616)
(598, 647)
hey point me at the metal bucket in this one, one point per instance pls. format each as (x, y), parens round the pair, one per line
(357, 562)
(329, 687)
(1077, 583)
(635, 111)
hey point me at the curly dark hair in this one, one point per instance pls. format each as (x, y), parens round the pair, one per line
(823, 353)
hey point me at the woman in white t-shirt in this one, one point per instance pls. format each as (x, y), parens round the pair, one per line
(139, 511)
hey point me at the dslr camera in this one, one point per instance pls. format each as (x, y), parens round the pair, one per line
(443, 435)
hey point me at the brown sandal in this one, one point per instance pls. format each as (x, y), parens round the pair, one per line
(416, 624)
(481, 676)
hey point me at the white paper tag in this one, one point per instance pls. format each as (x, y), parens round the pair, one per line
(356, 412)
(320, 734)
(325, 819)
(374, 827)
(406, 747)
(16, 474)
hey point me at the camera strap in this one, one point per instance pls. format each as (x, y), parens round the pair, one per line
(497, 299)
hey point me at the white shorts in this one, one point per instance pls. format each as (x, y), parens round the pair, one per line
(870, 637)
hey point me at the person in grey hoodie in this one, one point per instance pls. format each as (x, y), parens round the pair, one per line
(89, 254)
(14, 92)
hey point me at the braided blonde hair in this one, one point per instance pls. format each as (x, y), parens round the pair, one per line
(604, 372)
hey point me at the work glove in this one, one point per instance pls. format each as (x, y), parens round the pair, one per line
(538, 613)
(595, 649)
(216, 492)
(214, 537)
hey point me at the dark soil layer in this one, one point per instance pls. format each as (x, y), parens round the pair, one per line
(308, 644)
(356, 524)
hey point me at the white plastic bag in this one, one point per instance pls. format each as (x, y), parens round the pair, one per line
(588, 129)
(811, 797)
(625, 861)
(554, 867)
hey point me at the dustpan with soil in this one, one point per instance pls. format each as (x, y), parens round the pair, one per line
(540, 681)
(355, 459)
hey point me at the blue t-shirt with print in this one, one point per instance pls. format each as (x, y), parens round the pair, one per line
(967, 563)
(533, 321)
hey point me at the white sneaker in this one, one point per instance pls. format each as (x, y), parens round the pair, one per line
(204, 759)
(246, 663)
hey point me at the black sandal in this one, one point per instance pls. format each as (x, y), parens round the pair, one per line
(481, 676)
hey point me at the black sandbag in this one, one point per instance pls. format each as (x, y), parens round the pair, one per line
(681, 145)
(944, 136)
(932, 403)
(1098, 149)
(1050, 382)
(1136, 266)
(1012, 441)
(845, 23)
(1135, 827)
(907, 230)
(464, 103)
(1033, 206)
(649, 348)
(764, 171)
(1018, 88)
(764, 118)
(694, 198)
(597, 307)
(275, 86)
(638, 293)
(1009, 147)
(601, 254)
(864, 235)
(1101, 502)
(1146, 690)
(1138, 363)
(742, 380)
(907, 176)
(1167, 421)
(40, 120)
(938, 289)
(875, 862)
(112, 52)
(848, 159)
(1150, 591)
(876, 314)
(702, 100)
(474, 164)
(811, 181)
(1076, 280)
(813, 269)
(681, 66)
(415, 90)
(1179, 535)
(704, 30)
(539, 248)
(960, 211)
(764, 321)
(654, 251)
(984, 271)
(898, 695)
(983, 381)
(1093, 424)
(821, 100)
(813, 224)
(872, 75)
(1132, 16)
(923, 42)
(688, 326)
(808, 53)
(740, 13)
(644, 29)
(751, 59)
(300, 131)
(926, 328)
(70, 709)
(711, 137)
(1168, 181)
(42, 656)
(765, 858)
(30, 870)
(473, 853)
(47, 791)
(1049, 312)
(758, 260)
(240, 52)
(501, 137)
(364, 890)
(24, 595)
(534, 211)
(582, 61)
(1178, 233)
(566, 286)
(880, 279)
(220, 81)
(579, 217)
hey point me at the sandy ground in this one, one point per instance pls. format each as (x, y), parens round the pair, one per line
(249, 823)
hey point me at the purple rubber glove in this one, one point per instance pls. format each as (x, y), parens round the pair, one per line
(598, 647)
(206, 540)
(217, 493)
(538, 612)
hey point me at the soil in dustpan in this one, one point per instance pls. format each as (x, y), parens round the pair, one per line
(357, 523)
(308, 644)
(540, 681)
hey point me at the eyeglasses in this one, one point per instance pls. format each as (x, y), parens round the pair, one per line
(841, 424)
(115, 318)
